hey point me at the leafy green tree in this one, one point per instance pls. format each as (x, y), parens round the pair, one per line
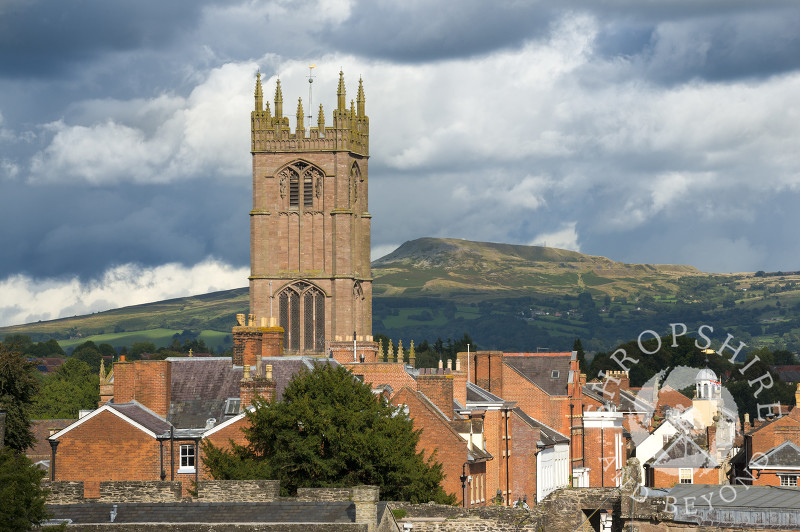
(18, 386)
(107, 350)
(23, 499)
(330, 430)
(138, 348)
(577, 346)
(72, 387)
(89, 353)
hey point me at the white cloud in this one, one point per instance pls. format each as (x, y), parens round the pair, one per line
(26, 300)
(566, 237)
(159, 140)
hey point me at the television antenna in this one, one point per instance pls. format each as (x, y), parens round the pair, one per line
(310, 84)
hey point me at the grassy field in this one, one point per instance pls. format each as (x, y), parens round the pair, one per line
(504, 296)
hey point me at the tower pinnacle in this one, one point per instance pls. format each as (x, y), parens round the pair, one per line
(340, 93)
(259, 94)
(300, 125)
(278, 100)
(360, 97)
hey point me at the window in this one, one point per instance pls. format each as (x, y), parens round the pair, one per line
(187, 458)
(788, 480)
(686, 475)
(232, 406)
(301, 311)
(554, 374)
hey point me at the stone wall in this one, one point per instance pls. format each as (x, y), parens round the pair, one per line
(238, 490)
(437, 517)
(71, 492)
(323, 494)
(220, 527)
(63, 491)
(140, 491)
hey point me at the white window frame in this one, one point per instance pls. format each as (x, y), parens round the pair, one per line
(788, 480)
(187, 458)
(681, 478)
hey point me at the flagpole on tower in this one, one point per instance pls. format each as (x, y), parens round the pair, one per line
(310, 84)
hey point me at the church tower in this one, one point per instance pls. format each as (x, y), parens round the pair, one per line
(310, 225)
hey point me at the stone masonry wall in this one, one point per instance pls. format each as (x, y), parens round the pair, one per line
(238, 491)
(66, 492)
(140, 491)
(63, 492)
(222, 527)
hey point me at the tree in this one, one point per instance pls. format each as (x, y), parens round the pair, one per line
(18, 386)
(23, 498)
(89, 354)
(578, 347)
(74, 386)
(330, 430)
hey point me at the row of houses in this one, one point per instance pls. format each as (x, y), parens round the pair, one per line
(507, 427)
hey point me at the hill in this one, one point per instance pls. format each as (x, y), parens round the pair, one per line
(460, 268)
(504, 296)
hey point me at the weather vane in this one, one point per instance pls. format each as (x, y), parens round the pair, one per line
(310, 84)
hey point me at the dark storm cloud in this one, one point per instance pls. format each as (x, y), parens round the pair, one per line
(438, 29)
(87, 229)
(40, 39)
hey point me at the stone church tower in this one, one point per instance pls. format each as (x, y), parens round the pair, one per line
(310, 225)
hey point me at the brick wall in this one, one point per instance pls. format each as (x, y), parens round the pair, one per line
(498, 470)
(600, 455)
(251, 341)
(439, 389)
(146, 381)
(666, 477)
(438, 436)
(118, 450)
(391, 373)
(523, 459)
(488, 370)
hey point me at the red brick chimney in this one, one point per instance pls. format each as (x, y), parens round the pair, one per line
(439, 389)
(488, 371)
(251, 341)
(252, 386)
(146, 381)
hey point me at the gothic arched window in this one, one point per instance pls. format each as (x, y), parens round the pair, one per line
(304, 182)
(301, 311)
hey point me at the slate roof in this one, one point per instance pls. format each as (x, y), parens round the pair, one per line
(746, 496)
(538, 369)
(788, 373)
(476, 394)
(243, 512)
(683, 452)
(547, 435)
(142, 415)
(201, 386)
(41, 431)
(784, 455)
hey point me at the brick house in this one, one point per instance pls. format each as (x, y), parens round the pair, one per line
(683, 461)
(765, 447)
(780, 466)
(159, 412)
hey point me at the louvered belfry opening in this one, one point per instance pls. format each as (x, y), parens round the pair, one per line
(302, 317)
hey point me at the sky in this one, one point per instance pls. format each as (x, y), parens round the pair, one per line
(646, 132)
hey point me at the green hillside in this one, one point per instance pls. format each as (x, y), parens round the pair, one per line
(504, 296)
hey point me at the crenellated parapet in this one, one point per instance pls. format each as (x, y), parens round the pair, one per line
(349, 132)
